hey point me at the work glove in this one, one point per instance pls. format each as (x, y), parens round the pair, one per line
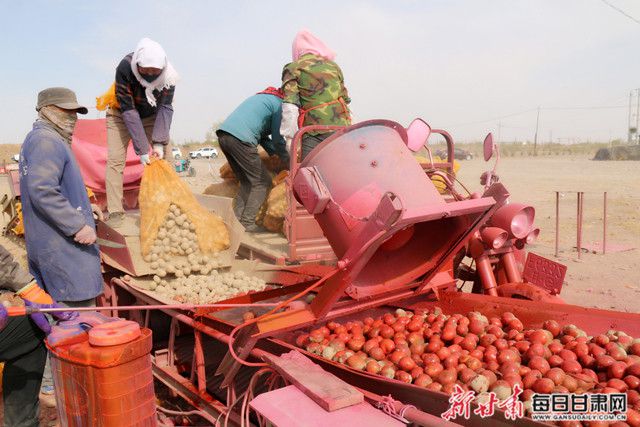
(86, 236)
(144, 159)
(34, 293)
(158, 150)
(34, 296)
(97, 212)
(41, 320)
(289, 123)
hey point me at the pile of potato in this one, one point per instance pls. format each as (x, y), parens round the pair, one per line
(183, 273)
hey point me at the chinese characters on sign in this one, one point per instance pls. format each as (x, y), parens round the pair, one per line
(544, 407)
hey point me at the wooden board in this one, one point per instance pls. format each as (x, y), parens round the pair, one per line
(327, 390)
(289, 407)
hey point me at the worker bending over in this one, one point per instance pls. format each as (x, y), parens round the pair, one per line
(22, 346)
(145, 84)
(248, 126)
(314, 92)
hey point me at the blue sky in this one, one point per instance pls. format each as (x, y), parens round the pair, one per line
(462, 65)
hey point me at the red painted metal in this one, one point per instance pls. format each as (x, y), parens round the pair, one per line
(369, 203)
(545, 273)
(511, 267)
(557, 223)
(515, 218)
(306, 241)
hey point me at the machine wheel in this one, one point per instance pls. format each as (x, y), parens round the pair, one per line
(198, 155)
(527, 291)
(192, 171)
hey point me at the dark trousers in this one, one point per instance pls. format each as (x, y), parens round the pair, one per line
(309, 142)
(253, 176)
(24, 354)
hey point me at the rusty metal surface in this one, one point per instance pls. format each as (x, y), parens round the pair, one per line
(544, 272)
(116, 257)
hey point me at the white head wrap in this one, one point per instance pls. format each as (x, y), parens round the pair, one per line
(150, 54)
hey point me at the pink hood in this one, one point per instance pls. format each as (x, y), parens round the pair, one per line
(305, 42)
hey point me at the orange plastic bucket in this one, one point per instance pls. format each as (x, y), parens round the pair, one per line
(105, 380)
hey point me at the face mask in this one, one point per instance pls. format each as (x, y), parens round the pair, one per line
(148, 77)
(64, 121)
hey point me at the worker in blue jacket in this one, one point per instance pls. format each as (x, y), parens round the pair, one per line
(248, 126)
(58, 219)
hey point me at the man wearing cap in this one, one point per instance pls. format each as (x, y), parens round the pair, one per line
(58, 221)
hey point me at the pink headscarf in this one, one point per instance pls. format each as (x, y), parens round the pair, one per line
(305, 42)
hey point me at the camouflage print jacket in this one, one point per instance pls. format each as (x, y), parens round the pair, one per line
(311, 81)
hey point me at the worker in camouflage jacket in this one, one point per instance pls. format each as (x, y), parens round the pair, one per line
(22, 348)
(314, 92)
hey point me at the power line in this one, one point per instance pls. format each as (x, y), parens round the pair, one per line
(604, 107)
(621, 11)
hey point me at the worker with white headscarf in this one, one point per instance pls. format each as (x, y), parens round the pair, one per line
(144, 88)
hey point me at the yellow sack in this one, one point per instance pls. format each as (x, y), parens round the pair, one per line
(273, 210)
(108, 99)
(161, 187)
(437, 181)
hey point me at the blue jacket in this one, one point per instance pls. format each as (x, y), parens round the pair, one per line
(55, 206)
(255, 119)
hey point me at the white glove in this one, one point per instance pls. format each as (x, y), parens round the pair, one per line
(158, 149)
(144, 159)
(289, 123)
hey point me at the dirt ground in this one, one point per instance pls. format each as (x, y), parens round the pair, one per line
(610, 281)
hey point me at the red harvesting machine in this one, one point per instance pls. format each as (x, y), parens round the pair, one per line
(400, 242)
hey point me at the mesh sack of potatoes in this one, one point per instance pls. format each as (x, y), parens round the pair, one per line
(272, 212)
(272, 163)
(160, 189)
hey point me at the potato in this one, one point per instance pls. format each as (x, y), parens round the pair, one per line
(154, 257)
(147, 258)
(156, 279)
(186, 271)
(170, 224)
(179, 273)
(154, 265)
(161, 273)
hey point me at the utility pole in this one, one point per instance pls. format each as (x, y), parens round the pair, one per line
(634, 110)
(629, 126)
(637, 115)
(535, 137)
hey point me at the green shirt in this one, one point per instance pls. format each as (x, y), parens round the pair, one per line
(311, 81)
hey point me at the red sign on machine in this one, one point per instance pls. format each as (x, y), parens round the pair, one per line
(545, 273)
